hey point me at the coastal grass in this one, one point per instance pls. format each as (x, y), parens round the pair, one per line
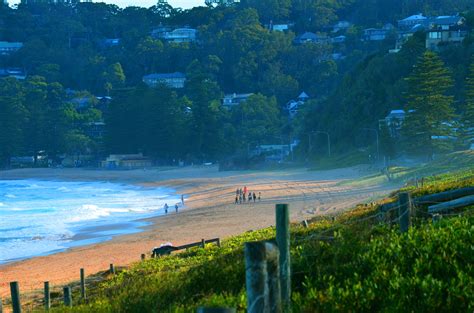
(351, 264)
(459, 162)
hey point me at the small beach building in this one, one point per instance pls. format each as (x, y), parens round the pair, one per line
(126, 161)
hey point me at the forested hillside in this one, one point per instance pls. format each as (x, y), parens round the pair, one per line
(81, 87)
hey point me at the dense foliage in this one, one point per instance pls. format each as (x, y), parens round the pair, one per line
(353, 264)
(71, 47)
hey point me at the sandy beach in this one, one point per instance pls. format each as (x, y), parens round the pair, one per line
(209, 212)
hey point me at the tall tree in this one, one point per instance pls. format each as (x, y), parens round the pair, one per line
(429, 107)
(468, 116)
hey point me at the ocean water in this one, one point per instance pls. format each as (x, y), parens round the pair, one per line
(42, 217)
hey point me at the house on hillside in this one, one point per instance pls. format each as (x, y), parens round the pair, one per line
(411, 21)
(17, 73)
(178, 35)
(7, 48)
(377, 34)
(309, 37)
(438, 36)
(280, 27)
(293, 106)
(173, 80)
(341, 26)
(235, 99)
(394, 121)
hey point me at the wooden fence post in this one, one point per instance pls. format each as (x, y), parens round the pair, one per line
(256, 277)
(219, 242)
(67, 296)
(404, 211)
(263, 277)
(112, 269)
(83, 284)
(203, 243)
(283, 241)
(272, 255)
(15, 293)
(47, 296)
(216, 310)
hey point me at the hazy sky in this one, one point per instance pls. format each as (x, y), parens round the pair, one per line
(145, 3)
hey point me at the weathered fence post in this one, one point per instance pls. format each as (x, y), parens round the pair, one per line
(83, 284)
(216, 310)
(67, 296)
(256, 277)
(15, 293)
(47, 296)
(404, 211)
(143, 257)
(203, 243)
(283, 241)
(262, 274)
(219, 242)
(273, 277)
(112, 269)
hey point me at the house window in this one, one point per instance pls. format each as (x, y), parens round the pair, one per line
(435, 35)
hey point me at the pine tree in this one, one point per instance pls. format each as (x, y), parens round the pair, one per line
(468, 114)
(429, 106)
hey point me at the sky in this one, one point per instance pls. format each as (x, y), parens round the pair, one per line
(185, 4)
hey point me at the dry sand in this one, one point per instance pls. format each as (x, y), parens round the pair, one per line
(209, 213)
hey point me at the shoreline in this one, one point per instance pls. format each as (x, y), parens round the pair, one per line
(209, 212)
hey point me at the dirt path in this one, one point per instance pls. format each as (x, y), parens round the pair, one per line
(209, 213)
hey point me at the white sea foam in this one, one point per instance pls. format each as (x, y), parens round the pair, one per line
(39, 217)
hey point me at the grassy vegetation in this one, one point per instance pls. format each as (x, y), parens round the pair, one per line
(353, 264)
(455, 162)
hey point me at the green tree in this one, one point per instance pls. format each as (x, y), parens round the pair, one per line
(13, 117)
(429, 106)
(468, 115)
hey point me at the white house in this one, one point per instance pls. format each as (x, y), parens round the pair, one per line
(173, 80)
(7, 47)
(293, 106)
(178, 35)
(235, 99)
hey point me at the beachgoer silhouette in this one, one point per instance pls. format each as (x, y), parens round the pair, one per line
(236, 199)
(240, 198)
(259, 196)
(176, 207)
(254, 197)
(166, 208)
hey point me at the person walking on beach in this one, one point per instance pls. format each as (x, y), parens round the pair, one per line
(254, 197)
(166, 208)
(245, 189)
(176, 207)
(259, 195)
(236, 199)
(240, 198)
(244, 197)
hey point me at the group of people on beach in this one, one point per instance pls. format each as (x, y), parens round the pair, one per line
(244, 195)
